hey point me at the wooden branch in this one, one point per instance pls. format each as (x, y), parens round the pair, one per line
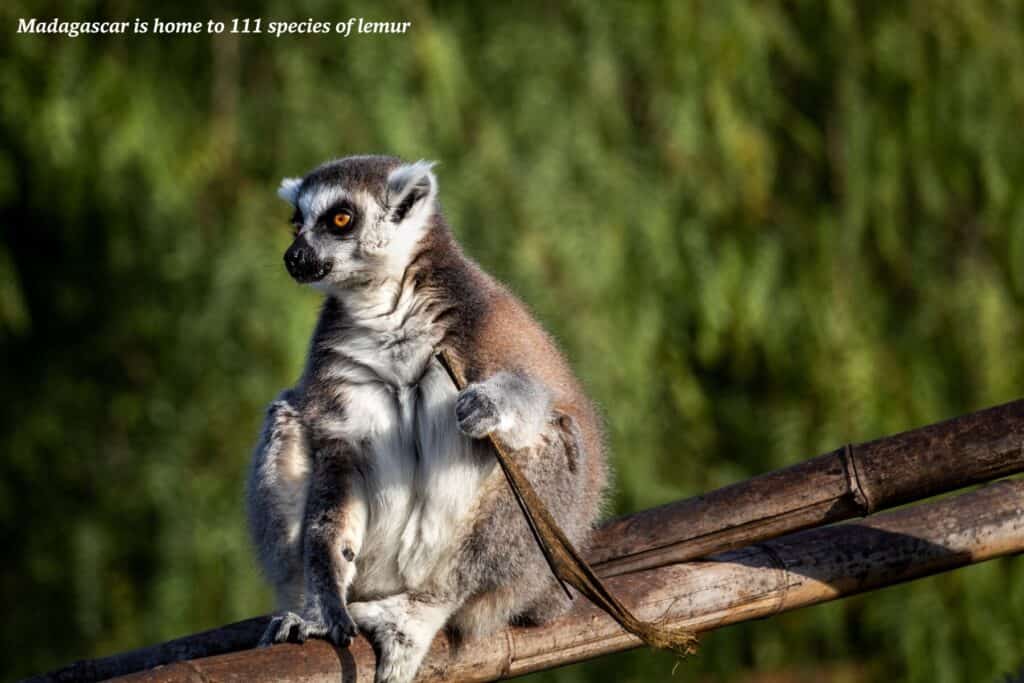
(806, 568)
(849, 482)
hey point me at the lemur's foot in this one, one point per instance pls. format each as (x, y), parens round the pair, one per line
(477, 411)
(339, 629)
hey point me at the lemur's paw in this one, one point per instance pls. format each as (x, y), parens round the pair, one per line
(476, 412)
(338, 628)
(283, 409)
(394, 639)
(280, 629)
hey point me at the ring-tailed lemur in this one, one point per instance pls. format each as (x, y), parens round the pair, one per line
(373, 497)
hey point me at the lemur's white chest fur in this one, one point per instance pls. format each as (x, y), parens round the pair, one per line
(423, 475)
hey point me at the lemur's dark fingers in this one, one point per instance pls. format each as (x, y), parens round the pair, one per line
(476, 413)
(478, 425)
(280, 629)
(472, 400)
(292, 629)
(295, 629)
(342, 634)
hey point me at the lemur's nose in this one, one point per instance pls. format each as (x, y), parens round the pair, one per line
(302, 263)
(292, 257)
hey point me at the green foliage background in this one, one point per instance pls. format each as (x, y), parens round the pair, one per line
(761, 230)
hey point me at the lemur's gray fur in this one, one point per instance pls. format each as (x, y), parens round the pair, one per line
(373, 499)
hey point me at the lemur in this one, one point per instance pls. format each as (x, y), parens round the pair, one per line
(374, 498)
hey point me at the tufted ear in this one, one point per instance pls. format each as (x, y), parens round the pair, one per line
(411, 187)
(289, 189)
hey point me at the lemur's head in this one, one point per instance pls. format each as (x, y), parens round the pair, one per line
(358, 220)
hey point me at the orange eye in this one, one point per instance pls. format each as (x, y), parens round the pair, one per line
(342, 219)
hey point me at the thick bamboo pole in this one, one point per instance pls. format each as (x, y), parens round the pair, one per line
(803, 569)
(852, 481)
(846, 483)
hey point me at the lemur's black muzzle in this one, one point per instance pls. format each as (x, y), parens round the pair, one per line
(303, 264)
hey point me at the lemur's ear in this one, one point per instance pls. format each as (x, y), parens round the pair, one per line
(289, 189)
(411, 187)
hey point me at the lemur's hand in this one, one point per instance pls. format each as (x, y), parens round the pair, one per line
(334, 625)
(510, 405)
(477, 410)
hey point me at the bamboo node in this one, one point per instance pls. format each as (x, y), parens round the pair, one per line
(853, 480)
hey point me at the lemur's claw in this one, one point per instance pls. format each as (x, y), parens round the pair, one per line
(280, 629)
(476, 412)
(342, 634)
(291, 628)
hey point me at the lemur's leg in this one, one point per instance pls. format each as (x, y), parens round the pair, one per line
(512, 405)
(276, 497)
(402, 627)
(334, 527)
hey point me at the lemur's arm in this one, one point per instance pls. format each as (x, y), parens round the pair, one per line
(334, 527)
(520, 386)
(276, 497)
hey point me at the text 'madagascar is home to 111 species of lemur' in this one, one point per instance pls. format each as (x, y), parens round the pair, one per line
(374, 498)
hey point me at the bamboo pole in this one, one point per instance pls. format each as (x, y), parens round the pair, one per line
(806, 568)
(852, 481)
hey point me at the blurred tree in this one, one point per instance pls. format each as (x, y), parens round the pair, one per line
(760, 230)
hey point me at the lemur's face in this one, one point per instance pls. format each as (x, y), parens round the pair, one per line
(357, 220)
